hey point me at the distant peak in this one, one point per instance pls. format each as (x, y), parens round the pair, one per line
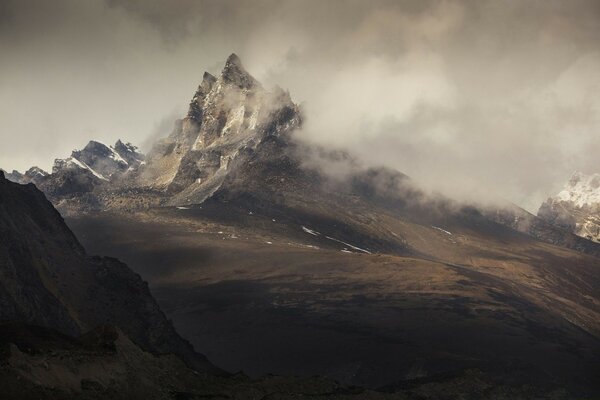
(94, 144)
(233, 59)
(35, 171)
(235, 73)
(127, 146)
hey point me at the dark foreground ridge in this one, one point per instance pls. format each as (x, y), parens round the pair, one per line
(50, 281)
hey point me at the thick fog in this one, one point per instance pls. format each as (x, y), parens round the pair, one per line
(473, 98)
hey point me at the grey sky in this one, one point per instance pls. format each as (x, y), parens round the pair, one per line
(497, 98)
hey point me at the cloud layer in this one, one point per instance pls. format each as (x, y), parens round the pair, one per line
(472, 97)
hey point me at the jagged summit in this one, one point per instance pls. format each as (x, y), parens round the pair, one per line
(228, 116)
(235, 73)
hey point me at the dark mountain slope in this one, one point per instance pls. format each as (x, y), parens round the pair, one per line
(48, 280)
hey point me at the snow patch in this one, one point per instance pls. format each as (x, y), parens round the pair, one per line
(349, 245)
(83, 165)
(441, 230)
(310, 231)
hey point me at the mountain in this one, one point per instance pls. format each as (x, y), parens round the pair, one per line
(48, 279)
(273, 255)
(229, 118)
(577, 207)
(277, 256)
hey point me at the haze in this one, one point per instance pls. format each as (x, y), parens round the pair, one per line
(471, 98)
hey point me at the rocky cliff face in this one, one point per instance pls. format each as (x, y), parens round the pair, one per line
(577, 207)
(49, 280)
(229, 117)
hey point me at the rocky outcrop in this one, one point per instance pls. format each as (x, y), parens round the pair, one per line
(49, 280)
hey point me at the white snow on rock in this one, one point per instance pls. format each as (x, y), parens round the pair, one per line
(81, 164)
(441, 230)
(349, 245)
(315, 233)
(581, 190)
(310, 231)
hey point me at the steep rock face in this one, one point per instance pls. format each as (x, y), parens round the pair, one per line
(48, 280)
(228, 117)
(577, 207)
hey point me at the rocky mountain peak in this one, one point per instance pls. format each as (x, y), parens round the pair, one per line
(129, 153)
(228, 116)
(236, 74)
